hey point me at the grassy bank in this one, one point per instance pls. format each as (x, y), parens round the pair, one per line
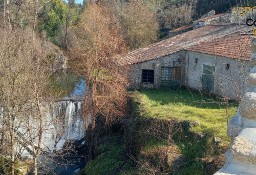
(166, 132)
(208, 114)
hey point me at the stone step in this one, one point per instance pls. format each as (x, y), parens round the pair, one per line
(235, 125)
(248, 123)
(252, 77)
(237, 169)
(243, 148)
(247, 105)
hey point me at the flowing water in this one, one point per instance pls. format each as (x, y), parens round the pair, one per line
(66, 123)
(62, 129)
(63, 135)
(69, 159)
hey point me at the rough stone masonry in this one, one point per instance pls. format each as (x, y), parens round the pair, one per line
(241, 157)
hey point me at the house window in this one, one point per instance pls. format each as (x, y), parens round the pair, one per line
(170, 73)
(166, 73)
(227, 66)
(170, 77)
(147, 76)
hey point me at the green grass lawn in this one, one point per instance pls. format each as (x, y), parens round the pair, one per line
(210, 113)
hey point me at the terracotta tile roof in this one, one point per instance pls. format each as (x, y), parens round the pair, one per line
(235, 46)
(178, 43)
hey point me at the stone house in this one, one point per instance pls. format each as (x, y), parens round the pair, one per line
(219, 66)
(240, 157)
(212, 19)
(213, 58)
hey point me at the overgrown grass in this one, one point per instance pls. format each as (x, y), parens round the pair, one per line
(209, 114)
(111, 160)
(148, 143)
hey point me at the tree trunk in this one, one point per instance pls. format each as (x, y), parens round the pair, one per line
(91, 146)
(66, 30)
(13, 167)
(35, 166)
(8, 14)
(90, 108)
(12, 144)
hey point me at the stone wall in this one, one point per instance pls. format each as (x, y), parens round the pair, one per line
(241, 157)
(227, 82)
(135, 72)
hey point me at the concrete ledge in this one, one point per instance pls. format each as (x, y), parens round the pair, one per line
(236, 169)
(248, 123)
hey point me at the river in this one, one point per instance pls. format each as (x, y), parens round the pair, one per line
(63, 141)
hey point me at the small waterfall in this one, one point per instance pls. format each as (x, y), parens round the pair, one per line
(67, 120)
(63, 121)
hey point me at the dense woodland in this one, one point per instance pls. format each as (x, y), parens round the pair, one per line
(93, 36)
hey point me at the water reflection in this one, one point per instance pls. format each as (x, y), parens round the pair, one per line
(67, 83)
(79, 89)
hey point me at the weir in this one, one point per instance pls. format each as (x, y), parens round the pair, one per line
(62, 135)
(63, 120)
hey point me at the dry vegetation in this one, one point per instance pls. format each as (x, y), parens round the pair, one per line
(22, 95)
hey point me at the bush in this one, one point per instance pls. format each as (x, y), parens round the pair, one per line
(111, 159)
(5, 166)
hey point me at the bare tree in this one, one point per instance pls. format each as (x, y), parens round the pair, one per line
(139, 24)
(24, 85)
(98, 44)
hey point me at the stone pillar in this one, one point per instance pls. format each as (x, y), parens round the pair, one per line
(241, 157)
(157, 69)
